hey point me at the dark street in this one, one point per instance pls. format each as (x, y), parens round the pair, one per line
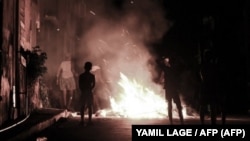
(113, 128)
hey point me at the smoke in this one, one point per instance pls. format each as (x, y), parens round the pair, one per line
(116, 36)
(113, 34)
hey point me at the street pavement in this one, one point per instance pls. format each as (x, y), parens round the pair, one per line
(38, 120)
(110, 128)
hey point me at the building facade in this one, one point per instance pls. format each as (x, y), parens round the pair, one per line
(19, 27)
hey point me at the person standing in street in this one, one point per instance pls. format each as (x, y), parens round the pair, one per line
(171, 80)
(66, 80)
(86, 85)
(209, 95)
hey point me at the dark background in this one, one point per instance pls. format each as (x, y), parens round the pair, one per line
(229, 37)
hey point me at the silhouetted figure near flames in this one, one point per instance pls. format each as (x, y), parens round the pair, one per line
(209, 95)
(171, 85)
(86, 86)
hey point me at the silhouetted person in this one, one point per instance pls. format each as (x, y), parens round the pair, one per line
(209, 87)
(66, 80)
(171, 85)
(86, 85)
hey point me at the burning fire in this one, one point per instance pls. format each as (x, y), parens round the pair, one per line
(137, 101)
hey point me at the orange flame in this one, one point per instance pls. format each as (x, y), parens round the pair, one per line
(137, 101)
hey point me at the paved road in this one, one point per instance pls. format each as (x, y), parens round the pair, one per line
(109, 128)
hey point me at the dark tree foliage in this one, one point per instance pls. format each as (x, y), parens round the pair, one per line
(35, 64)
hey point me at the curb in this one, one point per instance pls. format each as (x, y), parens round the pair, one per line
(38, 127)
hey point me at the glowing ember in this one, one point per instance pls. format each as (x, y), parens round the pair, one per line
(137, 101)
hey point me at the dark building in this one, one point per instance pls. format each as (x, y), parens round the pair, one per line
(19, 23)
